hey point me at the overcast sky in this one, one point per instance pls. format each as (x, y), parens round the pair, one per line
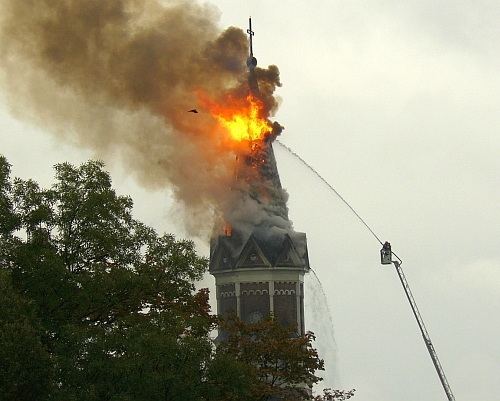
(396, 105)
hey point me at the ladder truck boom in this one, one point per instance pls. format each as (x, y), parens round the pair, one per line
(386, 258)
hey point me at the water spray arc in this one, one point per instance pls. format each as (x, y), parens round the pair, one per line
(386, 259)
(329, 186)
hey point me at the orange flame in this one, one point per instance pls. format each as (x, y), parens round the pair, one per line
(242, 118)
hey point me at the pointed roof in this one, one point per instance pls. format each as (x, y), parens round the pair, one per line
(257, 173)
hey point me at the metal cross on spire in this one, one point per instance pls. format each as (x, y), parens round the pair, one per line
(250, 33)
(251, 61)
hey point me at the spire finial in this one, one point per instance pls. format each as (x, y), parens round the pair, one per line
(250, 33)
(251, 61)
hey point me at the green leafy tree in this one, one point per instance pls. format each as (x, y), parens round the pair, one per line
(8, 219)
(116, 306)
(25, 365)
(334, 395)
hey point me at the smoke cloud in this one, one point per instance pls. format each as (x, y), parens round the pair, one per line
(119, 77)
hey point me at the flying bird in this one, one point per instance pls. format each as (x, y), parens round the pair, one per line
(193, 111)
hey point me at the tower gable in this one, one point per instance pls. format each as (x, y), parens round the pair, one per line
(287, 255)
(221, 257)
(252, 255)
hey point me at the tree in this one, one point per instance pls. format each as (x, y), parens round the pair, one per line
(8, 220)
(283, 363)
(25, 368)
(117, 314)
(333, 395)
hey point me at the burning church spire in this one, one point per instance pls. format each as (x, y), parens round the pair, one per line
(260, 261)
(68, 67)
(110, 77)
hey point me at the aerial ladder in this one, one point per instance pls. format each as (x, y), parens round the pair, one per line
(386, 259)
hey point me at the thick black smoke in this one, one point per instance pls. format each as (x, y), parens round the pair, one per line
(119, 76)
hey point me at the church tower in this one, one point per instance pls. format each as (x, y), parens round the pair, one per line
(254, 277)
(260, 262)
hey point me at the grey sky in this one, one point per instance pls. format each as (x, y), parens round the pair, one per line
(396, 104)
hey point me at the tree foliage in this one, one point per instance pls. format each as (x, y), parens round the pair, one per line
(117, 314)
(25, 366)
(94, 305)
(333, 395)
(283, 364)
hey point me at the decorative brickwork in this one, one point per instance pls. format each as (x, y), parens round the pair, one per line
(285, 286)
(247, 287)
(227, 299)
(254, 301)
(285, 308)
(285, 302)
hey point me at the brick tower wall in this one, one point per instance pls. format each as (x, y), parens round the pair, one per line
(227, 299)
(254, 298)
(285, 303)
